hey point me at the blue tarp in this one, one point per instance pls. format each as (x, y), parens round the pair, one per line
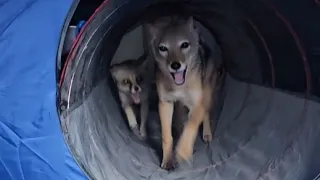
(31, 142)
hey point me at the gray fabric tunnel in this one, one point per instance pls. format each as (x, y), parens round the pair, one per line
(267, 116)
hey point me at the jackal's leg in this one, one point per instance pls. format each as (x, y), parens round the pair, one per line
(206, 134)
(144, 110)
(166, 112)
(208, 102)
(186, 142)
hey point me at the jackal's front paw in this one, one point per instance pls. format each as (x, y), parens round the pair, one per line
(207, 135)
(184, 150)
(169, 164)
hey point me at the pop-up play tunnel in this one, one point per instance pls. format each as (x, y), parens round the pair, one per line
(267, 106)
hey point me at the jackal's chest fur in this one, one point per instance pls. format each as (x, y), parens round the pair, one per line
(188, 97)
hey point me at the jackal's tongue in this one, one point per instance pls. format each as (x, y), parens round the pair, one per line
(178, 77)
(135, 98)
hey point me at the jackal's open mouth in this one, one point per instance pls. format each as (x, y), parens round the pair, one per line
(136, 97)
(179, 77)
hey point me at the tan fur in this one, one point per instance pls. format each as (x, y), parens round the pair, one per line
(130, 116)
(195, 93)
(198, 98)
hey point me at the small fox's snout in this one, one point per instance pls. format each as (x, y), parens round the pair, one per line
(135, 89)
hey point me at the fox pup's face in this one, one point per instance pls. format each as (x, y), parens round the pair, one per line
(128, 81)
(174, 46)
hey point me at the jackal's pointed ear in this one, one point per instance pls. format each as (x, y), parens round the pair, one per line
(151, 31)
(190, 22)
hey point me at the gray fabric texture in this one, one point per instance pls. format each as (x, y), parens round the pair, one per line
(262, 134)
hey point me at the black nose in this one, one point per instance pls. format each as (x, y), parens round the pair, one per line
(175, 65)
(136, 88)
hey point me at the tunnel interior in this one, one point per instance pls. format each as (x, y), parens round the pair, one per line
(266, 105)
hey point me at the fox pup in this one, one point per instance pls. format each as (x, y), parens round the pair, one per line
(185, 75)
(133, 87)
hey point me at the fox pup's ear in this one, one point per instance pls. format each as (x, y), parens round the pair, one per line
(190, 23)
(113, 70)
(145, 64)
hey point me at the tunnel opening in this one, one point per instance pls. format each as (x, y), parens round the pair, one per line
(250, 109)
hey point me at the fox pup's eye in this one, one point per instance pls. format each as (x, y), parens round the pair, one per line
(162, 48)
(125, 81)
(184, 45)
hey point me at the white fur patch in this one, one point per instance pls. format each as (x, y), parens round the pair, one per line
(163, 53)
(188, 97)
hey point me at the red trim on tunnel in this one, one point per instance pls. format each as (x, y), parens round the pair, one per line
(268, 51)
(72, 52)
(286, 22)
(299, 45)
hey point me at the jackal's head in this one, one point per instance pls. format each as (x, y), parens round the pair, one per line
(174, 43)
(129, 78)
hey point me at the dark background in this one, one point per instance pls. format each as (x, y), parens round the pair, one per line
(304, 18)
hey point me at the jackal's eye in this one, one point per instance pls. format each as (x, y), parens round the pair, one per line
(162, 48)
(184, 45)
(125, 81)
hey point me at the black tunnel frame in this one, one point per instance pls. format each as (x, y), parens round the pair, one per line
(272, 70)
(275, 71)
